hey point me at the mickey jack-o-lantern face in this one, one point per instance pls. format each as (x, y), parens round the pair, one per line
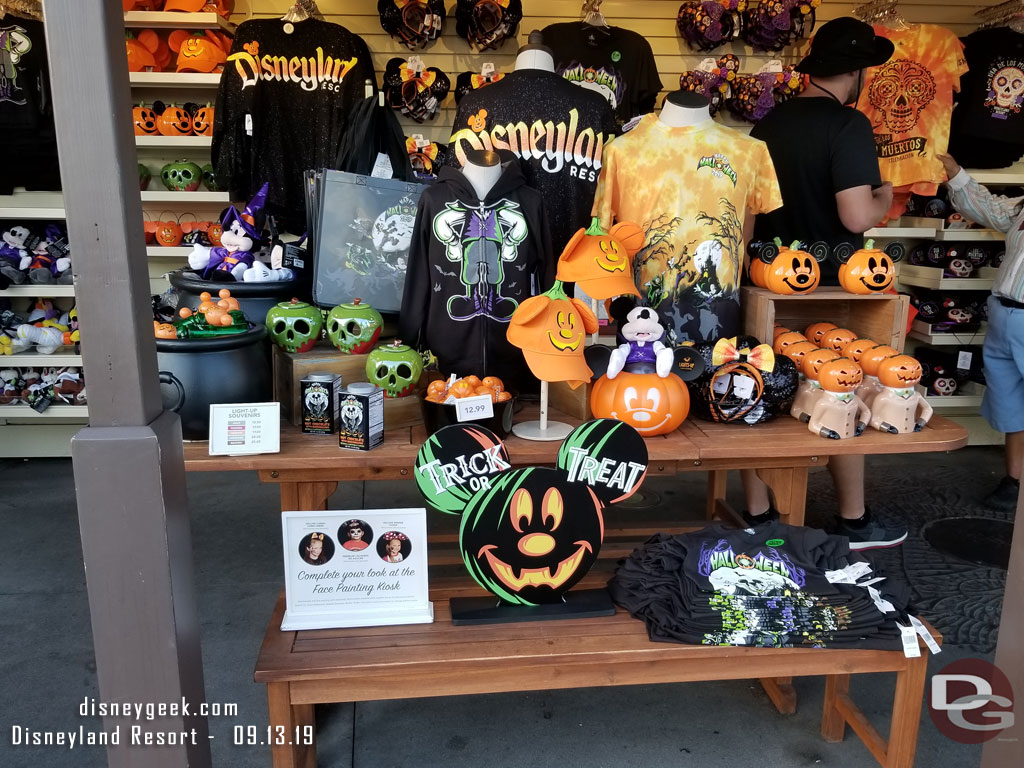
(812, 362)
(145, 121)
(837, 338)
(174, 121)
(202, 121)
(567, 332)
(899, 371)
(652, 405)
(840, 375)
(794, 271)
(873, 357)
(867, 271)
(785, 340)
(856, 348)
(815, 331)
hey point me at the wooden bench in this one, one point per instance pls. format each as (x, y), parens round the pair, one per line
(301, 669)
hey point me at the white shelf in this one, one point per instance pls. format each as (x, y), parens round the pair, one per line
(173, 142)
(185, 198)
(1012, 175)
(174, 79)
(52, 413)
(902, 233)
(177, 20)
(31, 359)
(969, 235)
(176, 252)
(38, 291)
(931, 277)
(32, 205)
(949, 339)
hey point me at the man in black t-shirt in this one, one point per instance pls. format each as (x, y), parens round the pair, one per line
(824, 155)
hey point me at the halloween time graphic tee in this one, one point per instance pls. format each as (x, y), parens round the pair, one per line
(614, 62)
(282, 107)
(909, 101)
(689, 189)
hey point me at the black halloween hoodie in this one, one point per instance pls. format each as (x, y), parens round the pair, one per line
(471, 263)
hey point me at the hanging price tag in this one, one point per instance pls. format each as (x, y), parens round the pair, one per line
(721, 385)
(707, 65)
(911, 649)
(922, 630)
(743, 386)
(487, 69)
(415, 64)
(963, 360)
(474, 408)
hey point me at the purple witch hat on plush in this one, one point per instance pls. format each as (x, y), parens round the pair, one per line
(251, 219)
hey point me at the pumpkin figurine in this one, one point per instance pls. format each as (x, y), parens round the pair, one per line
(528, 535)
(651, 404)
(172, 121)
(856, 348)
(869, 361)
(815, 331)
(354, 328)
(785, 340)
(144, 119)
(797, 352)
(869, 270)
(899, 408)
(792, 270)
(809, 391)
(838, 413)
(778, 330)
(202, 121)
(837, 338)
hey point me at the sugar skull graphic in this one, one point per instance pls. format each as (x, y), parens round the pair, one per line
(1006, 91)
(900, 91)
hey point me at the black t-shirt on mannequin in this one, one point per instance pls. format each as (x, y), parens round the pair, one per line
(818, 148)
(614, 62)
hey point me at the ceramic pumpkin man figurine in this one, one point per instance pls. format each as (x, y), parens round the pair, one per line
(815, 331)
(809, 391)
(896, 407)
(869, 362)
(838, 412)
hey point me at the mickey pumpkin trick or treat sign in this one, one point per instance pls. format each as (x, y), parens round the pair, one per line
(529, 534)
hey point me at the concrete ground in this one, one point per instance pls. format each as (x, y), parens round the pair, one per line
(47, 666)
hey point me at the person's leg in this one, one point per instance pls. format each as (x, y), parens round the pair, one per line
(1004, 393)
(1014, 454)
(756, 492)
(848, 475)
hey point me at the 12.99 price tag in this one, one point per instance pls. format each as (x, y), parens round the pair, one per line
(474, 408)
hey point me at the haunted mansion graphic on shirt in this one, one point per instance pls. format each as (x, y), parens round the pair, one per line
(689, 189)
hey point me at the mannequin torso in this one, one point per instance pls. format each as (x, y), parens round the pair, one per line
(683, 109)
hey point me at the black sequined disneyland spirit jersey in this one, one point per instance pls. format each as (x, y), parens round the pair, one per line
(559, 132)
(282, 108)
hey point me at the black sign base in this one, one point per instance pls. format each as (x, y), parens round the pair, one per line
(581, 604)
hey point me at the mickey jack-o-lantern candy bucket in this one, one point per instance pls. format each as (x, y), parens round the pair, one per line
(788, 271)
(868, 270)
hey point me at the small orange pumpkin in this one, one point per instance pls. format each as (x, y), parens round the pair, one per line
(797, 352)
(174, 121)
(872, 358)
(213, 233)
(785, 340)
(650, 404)
(840, 375)
(856, 348)
(756, 271)
(815, 331)
(144, 119)
(837, 338)
(202, 121)
(899, 371)
(164, 330)
(869, 270)
(812, 362)
(793, 271)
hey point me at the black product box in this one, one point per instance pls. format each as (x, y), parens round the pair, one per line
(320, 395)
(361, 419)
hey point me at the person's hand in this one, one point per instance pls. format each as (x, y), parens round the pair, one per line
(949, 165)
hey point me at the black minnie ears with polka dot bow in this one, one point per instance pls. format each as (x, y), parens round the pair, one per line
(391, 535)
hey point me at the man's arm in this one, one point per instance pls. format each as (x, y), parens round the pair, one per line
(861, 208)
(977, 203)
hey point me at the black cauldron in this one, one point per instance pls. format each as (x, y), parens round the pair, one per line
(254, 299)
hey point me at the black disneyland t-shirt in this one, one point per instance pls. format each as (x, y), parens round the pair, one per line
(557, 130)
(614, 62)
(818, 148)
(988, 122)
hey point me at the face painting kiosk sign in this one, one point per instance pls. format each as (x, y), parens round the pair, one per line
(528, 535)
(355, 568)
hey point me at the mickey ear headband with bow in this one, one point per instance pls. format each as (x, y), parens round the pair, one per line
(416, 94)
(774, 24)
(709, 24)
(487, 23)
(414, 23)
(712, 84)
(424, 157)
(469, 81)
(761, 357)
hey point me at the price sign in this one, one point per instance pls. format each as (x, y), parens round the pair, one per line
(238, 429)
(474, 408)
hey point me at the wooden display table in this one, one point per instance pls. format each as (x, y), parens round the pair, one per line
(309, 467)
(311, 667)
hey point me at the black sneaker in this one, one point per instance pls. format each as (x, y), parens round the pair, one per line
(868, 533)
(1004, 497)
(765, 517)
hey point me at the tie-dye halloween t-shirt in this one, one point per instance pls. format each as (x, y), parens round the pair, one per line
(909, 101)
(689, 189)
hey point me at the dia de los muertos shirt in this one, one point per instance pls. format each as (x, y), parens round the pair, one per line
(909, 101)
(991, 104)
(614, 62)
(689, 189)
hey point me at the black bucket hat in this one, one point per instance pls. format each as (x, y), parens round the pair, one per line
(845, 45)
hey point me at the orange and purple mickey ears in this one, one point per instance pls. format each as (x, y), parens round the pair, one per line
(550, 329)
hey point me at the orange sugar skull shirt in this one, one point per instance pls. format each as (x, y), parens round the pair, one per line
(909, 101)
(689, 190)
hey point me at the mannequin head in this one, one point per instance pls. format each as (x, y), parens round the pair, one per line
(535, 55)
(684, 108)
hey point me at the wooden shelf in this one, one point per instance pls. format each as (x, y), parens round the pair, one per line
(173, 142)
(176, 252)
(185, 198)
(38, 291)
(968, 398)
(32, 205)
(174, 79)
(64, 356)
(1012, 175)
(52, 413)
(177, 20)
(931, 277)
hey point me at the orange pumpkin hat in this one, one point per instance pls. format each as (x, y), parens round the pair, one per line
(551, 329)
(600, 262)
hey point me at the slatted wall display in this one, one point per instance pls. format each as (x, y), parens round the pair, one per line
(654, 19)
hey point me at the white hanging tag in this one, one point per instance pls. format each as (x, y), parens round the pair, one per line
(743, 386)
(487, 69)
(721, 385)
(774, 66)
(963, 360)
(248, 124)
(922, 630)
(709, 64)
(911, 648)
(415, 64)
(382, 168)
(880, 602)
